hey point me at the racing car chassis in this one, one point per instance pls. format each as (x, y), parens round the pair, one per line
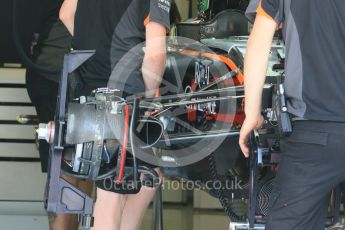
(63, 197)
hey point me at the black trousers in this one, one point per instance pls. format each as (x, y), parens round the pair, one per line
(43, 94)
(313, 163)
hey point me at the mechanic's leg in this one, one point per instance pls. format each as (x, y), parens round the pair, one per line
(136, 206)
(63, 221)
(308, 172)
(108, 210)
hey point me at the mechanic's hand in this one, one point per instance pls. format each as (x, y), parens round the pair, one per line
(250, 123)
(152, 112)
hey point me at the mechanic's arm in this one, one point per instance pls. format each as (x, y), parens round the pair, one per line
(67, 13)
(255, 67)
(155, 57)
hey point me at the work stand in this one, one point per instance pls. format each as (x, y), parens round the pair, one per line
(60, 195)
(157, 210)
(256, 161)
(63, 197)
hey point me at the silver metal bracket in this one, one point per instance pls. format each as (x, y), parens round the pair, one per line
(245, 226)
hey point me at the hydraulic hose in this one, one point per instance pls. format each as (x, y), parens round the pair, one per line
(219, 192)
(123, 152)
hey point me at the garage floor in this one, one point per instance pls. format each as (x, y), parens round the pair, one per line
(186, 218)
(31, 216)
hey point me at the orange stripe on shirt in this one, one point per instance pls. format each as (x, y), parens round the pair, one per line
(147, 20)
(260, 10)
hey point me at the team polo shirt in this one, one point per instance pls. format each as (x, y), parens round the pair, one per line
(131, 30)
(112, 28)
(54, 40)
(314, 34)
(95, 22)
(129, 39)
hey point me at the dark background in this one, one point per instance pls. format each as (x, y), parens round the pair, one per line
(30, 15)
(29, 20)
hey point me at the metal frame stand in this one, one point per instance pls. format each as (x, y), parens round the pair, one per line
(253, 161)
(336, 200)
(157, 210)
(61, 196)
(245, 226)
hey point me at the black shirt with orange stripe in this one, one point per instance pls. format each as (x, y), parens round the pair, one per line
(113, 28)
(314, 34)
(128, 42)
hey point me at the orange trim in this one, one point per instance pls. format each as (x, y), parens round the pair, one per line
(260, 10)
(218, 57)
(147, 20)
(157, 94)
(237, 118)
(124, 147)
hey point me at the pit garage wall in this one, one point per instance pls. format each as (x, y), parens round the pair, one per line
(22, 183)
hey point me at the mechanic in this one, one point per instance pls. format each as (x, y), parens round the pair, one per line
(122, 24)
(92, 23)
(313, 156)
(53, 43)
